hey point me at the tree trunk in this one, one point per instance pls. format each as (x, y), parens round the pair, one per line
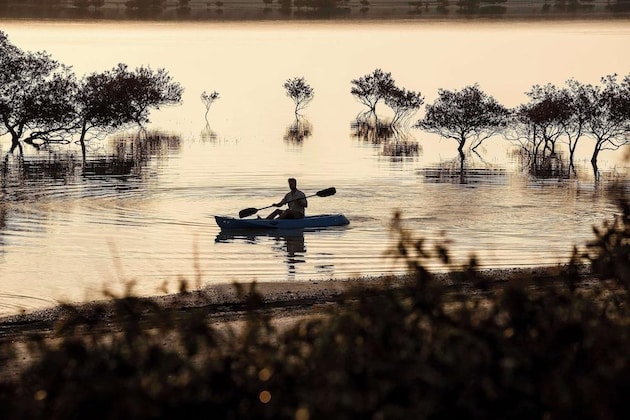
(594, 159)
(595, 154)
(82, 142)
(15, 144)
(572, 147)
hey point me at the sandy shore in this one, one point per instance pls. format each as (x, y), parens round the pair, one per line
(220, 303)
(285, 301)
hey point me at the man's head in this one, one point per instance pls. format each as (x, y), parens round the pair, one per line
(292, 184)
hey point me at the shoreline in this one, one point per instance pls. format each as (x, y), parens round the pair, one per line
(285, 301)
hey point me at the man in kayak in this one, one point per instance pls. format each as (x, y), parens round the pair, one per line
(295, 199)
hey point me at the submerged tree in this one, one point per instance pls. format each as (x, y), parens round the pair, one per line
(403, 102)
(144, 89)
(35, 95)
(380, 86)
(574, 127)
(96, 106)
(372, 88)
(609, 117)
(119, 97)
(549, 110)
(469, 114)
(42, 102)
(571, 113)
(539, 124)
(300, 91)
(208, 100)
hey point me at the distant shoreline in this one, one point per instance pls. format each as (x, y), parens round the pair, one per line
(350, 10)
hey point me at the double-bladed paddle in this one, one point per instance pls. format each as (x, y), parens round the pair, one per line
(251, 210)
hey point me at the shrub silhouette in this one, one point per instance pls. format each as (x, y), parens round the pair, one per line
(460, 344)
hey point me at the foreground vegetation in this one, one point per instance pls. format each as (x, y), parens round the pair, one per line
(431, 348)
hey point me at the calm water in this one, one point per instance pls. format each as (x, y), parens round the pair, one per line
(68, 237)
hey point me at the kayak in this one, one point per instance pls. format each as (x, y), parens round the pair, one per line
(318, 221)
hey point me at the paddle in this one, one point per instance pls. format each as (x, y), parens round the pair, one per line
(251, 210)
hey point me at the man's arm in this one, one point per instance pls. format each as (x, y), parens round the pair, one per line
(303, 201)
(282, 202)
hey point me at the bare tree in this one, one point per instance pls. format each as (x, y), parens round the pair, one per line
(300, 91)
(208, 100)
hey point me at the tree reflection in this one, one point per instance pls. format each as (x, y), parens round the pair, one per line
(3, 225)
(458, 171)
(17, 169)
(125, 155)
(298, 131)
(371, 131)
(396, 142)
(109, 166)
(541, 166)
(144, 146)
(399, 149)
(207, 134)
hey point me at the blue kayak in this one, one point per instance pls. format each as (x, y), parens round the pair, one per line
(318, 221)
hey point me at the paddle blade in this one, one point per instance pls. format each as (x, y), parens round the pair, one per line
(327, 192)
(247, 212)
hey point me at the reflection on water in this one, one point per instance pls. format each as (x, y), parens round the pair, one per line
(127, 154)
(452, 173)
(288, 243)
(555, 165)
(396, 141)
(372, 131)
(298, 131)
(207, 134)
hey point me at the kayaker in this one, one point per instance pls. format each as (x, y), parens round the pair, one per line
(295, 199)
